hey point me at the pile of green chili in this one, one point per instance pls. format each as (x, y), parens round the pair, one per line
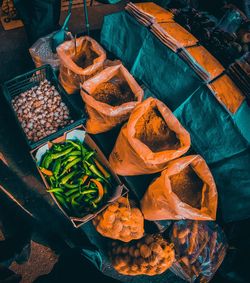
(76, 178)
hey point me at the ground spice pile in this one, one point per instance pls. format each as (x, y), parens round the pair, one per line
(86, 58)
(152, 130)
(114, 94)
(188, 187)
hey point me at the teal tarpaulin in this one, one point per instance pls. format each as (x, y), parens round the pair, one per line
(123, 36)
(232, 177)
(242, 120)
(164, 72)
(212, 129)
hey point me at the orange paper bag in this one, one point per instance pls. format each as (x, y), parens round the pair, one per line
(80, 59)
(152, 137)
(185, 190)
(118, 94)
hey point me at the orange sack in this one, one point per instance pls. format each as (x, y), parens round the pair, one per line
(185, 190)
(80, 59)
(110, 96)
(152, 137)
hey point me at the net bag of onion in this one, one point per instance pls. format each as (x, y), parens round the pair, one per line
(185, 190)
(200, 248)
(151, 138)
(120, 221)
(110, 96)
(151, 255)
(80, 59)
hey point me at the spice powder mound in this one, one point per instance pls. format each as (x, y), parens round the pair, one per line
(113, 94)
(152, 130)
(188, 187)
(86, 58)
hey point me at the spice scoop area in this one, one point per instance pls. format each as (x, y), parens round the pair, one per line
(132, 144)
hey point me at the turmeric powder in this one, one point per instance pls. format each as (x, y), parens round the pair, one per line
(152, 130)
(113, 94)
(188, 187)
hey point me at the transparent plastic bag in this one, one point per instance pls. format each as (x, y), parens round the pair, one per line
(41, 51)
(102, 116)
(200, 248)
(131, 156)
(161, 202)
(80, 59)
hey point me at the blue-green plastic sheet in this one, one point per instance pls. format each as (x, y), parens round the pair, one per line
(164, 72)
(212, 129)
(232, 177)
(123, 36)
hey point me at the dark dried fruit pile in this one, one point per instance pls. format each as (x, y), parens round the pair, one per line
(226, 47)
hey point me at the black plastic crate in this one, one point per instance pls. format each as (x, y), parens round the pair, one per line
(22, 83)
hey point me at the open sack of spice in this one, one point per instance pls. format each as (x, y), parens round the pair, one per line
(150, 255)
(151, 138)
(120, 221)
(77, 175)
(80, 59)
(185, 190)
(110, 96)
(200, 248)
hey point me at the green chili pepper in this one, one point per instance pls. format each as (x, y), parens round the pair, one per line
(74, 144)
(57, 147)
(94, 170)
(67, 177)
(55, 190)
(88, 192)
(87, 171)
(94, 205)
(60, 154)
(56, 167)
(71, 186)
(47, 161)
(88, 155)
(69, 193)
(71, 164)
(84, 150)
(75, 153)
(62, 201)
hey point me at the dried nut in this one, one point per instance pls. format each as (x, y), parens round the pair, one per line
(35, 108)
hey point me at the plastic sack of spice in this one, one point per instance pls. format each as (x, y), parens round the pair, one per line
(200, 248)
(185, 190)
(110, 96)
(80, 59)
(41, 52)
(151, 138)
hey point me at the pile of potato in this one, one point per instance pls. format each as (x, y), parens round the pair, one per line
(150, 255)
(120, 221)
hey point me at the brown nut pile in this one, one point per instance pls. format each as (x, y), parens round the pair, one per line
(151, 255)
(120, 221)
(41, 111)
